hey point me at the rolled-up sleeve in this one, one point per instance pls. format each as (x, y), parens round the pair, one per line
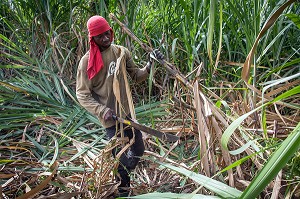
(137, 74)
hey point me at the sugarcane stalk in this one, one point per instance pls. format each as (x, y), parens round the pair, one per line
(169, 67)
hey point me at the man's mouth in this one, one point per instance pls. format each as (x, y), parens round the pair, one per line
(105, 43)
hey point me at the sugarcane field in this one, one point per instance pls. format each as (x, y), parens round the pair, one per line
(105, 99)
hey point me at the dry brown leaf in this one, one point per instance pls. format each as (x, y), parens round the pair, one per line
(225, 153)
(277, 186)
(201, 129)
(41, 186)
(176, 129)
(281, 88)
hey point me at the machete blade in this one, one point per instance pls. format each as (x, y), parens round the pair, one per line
(164, 136)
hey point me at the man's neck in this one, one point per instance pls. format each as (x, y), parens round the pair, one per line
(103, 48)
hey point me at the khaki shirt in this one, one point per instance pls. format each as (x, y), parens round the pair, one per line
(96, 95)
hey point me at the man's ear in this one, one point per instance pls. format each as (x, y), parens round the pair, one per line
(112, 35)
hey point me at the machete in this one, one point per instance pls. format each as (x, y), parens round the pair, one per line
(164, 136)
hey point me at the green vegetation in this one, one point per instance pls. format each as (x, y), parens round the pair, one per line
(238, 121)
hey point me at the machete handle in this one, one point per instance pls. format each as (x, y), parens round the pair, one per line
(121, 120)
(114, 117)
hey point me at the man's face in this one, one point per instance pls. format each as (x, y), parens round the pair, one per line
(103, 40)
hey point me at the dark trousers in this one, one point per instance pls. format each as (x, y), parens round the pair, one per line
(129, 160)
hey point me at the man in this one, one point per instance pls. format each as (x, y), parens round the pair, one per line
(101, 89)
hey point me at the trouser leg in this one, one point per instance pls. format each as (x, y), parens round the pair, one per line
(128, 161)
(136, 150)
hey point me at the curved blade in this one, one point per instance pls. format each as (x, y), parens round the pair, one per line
(164, 136)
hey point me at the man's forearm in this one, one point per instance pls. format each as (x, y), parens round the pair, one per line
(91, 105)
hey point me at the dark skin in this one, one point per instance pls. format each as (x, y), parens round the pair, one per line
(103, 40)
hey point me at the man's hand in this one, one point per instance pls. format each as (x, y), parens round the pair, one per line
(108, 115)
(155, 54)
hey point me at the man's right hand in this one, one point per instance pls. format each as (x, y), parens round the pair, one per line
(108, 115)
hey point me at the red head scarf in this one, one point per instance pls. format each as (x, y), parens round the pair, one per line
(96, 25)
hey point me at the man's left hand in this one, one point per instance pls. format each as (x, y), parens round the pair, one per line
(155, 54)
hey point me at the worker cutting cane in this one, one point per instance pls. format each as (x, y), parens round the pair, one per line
(98, 71)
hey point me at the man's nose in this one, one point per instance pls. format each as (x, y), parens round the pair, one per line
(105, 38)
